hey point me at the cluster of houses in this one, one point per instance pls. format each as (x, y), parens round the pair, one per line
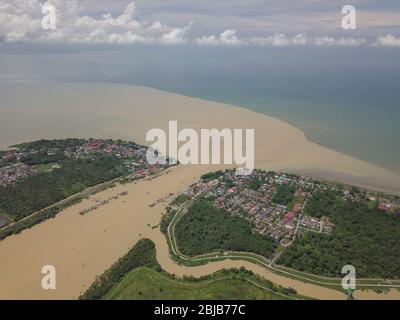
(322, 225)
(233, 194)
(16, 155)
(351, 196)
(134, 159)
(11, 173)
(107, 147)
(385, 204)
(12, 169)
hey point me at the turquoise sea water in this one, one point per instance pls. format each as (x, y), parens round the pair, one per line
(345, 99)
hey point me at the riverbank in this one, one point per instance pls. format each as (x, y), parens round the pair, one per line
(82, 247)
(367, 287)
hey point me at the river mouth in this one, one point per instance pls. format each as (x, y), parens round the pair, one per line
(82, 247)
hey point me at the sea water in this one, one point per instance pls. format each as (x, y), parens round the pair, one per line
(347, 99)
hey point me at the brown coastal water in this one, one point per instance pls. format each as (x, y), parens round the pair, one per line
(82, 247)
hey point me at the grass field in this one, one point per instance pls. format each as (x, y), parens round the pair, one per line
(48, 167)
(146, 284)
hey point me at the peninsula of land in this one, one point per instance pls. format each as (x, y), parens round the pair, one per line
(81, 247)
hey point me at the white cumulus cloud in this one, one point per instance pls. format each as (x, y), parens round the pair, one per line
(176, 35)
(388, 41)
(21, 20)
(330, 41)
(229, 37)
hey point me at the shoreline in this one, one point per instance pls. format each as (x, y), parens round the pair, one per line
(291, 123)
(82, 247)
(128, 112)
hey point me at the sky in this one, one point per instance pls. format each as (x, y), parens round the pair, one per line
(281, 23)
(287, 58)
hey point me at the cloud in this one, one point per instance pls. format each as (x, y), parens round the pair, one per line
(21, 21)
(229, 37)
(176, 35)
(330, 41)
(279, 40)
(208, 41)
(300, 39)
(17, 18)
(388, 41)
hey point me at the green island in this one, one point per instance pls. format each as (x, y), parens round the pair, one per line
(137, 275)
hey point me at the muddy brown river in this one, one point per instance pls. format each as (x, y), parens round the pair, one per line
(82, 247)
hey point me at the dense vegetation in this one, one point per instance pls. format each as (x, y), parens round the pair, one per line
(51, 144)
(41, 190)
(182, 198)
(364, 237)
(233, 284)
(284, 194)
(205, 229)
(43, 158)
(166, 220)
(255, 183)
(143, 254)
